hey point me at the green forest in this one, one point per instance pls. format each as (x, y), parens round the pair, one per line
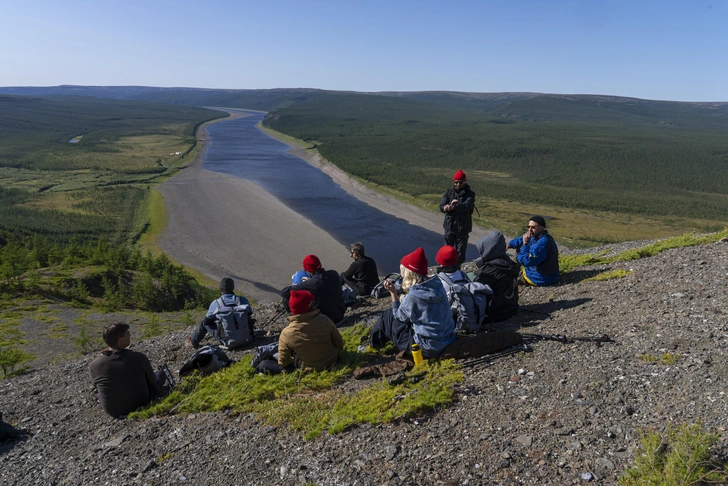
(593, 153)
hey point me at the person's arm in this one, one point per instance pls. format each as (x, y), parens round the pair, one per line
(533, 253)
(211, 310)
(445, 202)
(516, 243)
(349, 273)
(336, 337)
(285, 352)
(466, 204)
(149, 375)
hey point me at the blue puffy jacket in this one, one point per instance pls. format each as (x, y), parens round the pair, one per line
(427, 308)
(540, 257)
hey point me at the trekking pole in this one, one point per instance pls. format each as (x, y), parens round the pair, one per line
(569, 340)
(487, 359)
(534, 311)
(272, 319)
(168, 374)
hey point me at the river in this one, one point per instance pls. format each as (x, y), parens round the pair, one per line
(239, 149)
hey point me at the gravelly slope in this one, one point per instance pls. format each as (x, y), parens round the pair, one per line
(561, 414)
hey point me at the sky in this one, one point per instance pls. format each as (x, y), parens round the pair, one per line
(652, 49)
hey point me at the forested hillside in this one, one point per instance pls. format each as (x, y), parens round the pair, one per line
(594, 153)
(78, 167)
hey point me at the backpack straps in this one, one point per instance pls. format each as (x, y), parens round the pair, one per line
(220, 303)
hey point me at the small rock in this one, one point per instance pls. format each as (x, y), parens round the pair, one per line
(587, 476)
(525, 440)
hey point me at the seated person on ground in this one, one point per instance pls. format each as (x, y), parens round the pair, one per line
(311, 338)
(324, 285)
(496, 270)
(124, 379)
(447, 257)
(362, 275)
(538, 253)
(210, 322)
(423, 316)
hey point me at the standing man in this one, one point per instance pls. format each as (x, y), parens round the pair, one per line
(362, 275)
(538, 253)
(124, 379)
(458, 204)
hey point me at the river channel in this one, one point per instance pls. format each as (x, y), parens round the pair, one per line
(239, 149)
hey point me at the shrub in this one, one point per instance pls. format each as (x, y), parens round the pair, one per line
(681, 456)
(12, 357)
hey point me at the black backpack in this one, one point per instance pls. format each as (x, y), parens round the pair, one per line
(207, 360)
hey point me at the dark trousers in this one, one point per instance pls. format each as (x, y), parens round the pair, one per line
(271, 367)
(199, 333)
(388, 328)
(460, 243)
(361, 288)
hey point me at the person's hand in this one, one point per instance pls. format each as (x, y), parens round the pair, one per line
(447, 207)
(526, 238)
(388, 285)
(454, 202)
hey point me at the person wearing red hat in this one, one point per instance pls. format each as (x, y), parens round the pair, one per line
(422, 316)
(310, 340)
(448, 271)
(324, 285)
(458, 204)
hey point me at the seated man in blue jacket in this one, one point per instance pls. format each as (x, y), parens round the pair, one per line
(538, 253)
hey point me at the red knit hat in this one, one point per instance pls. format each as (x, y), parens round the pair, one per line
(416, 261)
(300, 301)
(447, 256)
(459, 176)
(311, 263)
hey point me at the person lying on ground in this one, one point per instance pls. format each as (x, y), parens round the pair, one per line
(423, 316)
(124, 379)
(209, 324)
(538, 253)
(324, 285)
(310, 342)
(496, 270)
(362, 275)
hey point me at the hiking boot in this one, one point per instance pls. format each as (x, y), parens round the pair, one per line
(191, 344)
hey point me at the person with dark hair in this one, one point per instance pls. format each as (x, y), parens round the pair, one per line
(362, 275)
(538, 253)
(228, 298)
(458, 204)
(310, 342)
(496, 270)
(325, 285)
(124, 379)
(423, 316)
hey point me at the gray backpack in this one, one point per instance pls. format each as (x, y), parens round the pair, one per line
(379, 292)
(234, 324)
(468, 301)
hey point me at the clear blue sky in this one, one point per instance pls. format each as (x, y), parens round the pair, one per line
(668, 49)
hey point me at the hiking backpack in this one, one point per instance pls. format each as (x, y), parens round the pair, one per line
(207, 359)
(469, 303)
(349, 295)
(234, 324)
(379, 292)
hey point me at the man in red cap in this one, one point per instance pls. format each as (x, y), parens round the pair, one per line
(458, 204)
(325, 285)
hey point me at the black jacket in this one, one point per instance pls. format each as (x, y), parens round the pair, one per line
(458, 220)
(325, 285)
(363, 274)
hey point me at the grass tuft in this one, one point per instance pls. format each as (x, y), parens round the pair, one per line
(681, 456)
(308, 402)
(612, 274)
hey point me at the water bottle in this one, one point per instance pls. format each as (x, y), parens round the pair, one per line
(417, 354)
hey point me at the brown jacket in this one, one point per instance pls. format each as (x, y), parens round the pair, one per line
(314, 339)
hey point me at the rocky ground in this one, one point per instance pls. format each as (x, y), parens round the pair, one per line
(562, 414)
